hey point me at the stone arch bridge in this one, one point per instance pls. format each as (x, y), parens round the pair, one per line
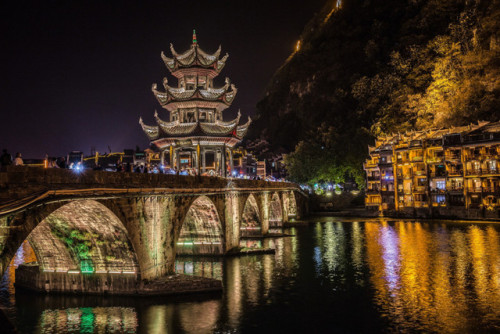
(104, 222)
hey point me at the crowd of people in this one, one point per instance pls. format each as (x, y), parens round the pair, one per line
(7, 160)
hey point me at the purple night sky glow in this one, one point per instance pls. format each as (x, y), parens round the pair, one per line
(77, 75)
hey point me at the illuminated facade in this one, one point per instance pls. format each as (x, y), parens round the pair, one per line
(196, 136)
(440, 172)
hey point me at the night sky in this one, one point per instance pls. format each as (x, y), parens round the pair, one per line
(76, 75)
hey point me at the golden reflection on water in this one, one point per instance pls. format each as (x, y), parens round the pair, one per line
(423, 274)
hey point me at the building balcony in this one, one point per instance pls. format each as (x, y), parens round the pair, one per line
(491, 190)
(421, 204)
(419, 189)
(441, 174)
(419, 173)
(475, 189)
(373, 191)
(435, 160)
(490, 171)
(473, 172)
(417, 159)
(455, 172)
(452, 157)
(370, 164)
(438, 191)
(373, 178)
(455, 189)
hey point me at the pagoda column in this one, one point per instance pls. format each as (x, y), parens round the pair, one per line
(204, 160)
(198, 170)
(223, 161)
(170, 157)
(162, 158)
(231, 162)
(178, 159)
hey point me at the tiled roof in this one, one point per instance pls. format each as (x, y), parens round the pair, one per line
(194, 56)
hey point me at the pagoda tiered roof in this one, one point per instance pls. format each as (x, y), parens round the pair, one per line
(177, 129)
(194, 56)
(225, 94)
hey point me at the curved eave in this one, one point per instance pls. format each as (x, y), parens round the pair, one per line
(217, 129)
(195, 56)
(170, 95)
(153, 132)
(242, 130)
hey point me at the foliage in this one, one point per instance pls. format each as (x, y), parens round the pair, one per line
(374, 67)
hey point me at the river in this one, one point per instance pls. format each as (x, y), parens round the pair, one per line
(332, 275)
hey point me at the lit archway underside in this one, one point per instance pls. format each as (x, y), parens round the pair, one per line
(291, 204)
(83, 236)
(201, 232)
(250, 220)
(275, 212)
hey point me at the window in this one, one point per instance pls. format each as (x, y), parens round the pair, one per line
(203, 116)
(440, 199)
(492, 165)
(441, 185)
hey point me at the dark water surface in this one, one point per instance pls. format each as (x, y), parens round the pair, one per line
(334, 275)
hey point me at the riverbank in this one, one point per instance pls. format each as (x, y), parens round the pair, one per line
(352, 216)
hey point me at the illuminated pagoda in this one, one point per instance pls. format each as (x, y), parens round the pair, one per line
(196, 136)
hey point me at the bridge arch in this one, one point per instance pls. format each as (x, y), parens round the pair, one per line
(290, 205)
(275, 211)
(251, 223)
(202, 231)
(81, 236)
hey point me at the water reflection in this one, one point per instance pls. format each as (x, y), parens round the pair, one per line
(429, 277)
(396, 275)
(25, 254)
(89, 320)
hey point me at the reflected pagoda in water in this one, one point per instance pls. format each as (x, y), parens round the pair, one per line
(196, 136)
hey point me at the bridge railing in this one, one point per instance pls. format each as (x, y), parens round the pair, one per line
(19, 181)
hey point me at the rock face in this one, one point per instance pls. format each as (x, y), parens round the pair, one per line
(373, 66)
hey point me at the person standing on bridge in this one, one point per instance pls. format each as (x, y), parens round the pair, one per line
(6, 158)
(18, 161)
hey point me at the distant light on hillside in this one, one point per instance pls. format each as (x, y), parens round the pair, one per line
(297, 46)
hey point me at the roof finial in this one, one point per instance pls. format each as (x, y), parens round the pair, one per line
(194, 37)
